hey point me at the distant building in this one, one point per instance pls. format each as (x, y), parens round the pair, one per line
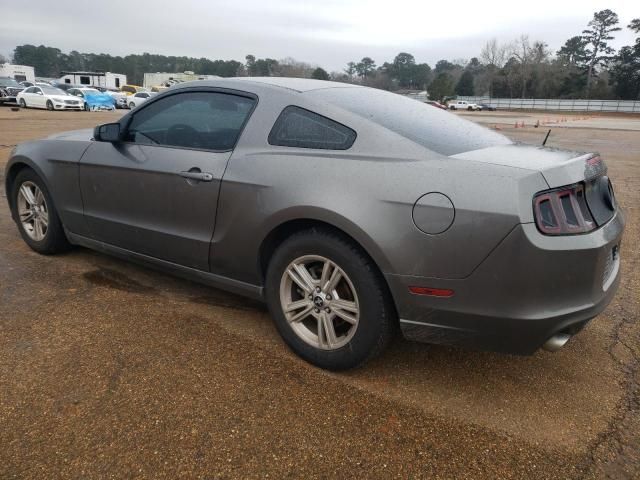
(20, 73)
(95, 79)
(160, 79)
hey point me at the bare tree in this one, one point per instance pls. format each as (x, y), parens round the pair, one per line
(290, 67)
(493, 55)
(3, 60)
(522, 51)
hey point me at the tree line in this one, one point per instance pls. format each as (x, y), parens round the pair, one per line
(586, 66)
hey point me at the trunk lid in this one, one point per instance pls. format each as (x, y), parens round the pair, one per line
(559, 168)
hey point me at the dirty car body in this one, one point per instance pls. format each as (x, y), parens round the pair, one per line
(476, 241)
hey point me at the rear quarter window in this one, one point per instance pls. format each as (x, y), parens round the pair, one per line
(437, 130)
(297, 127)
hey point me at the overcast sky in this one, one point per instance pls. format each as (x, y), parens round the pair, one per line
(329, 33)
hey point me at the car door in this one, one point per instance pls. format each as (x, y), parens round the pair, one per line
(30, 97)
(26, 95)
(156, 192)
(141, 98)
(38, 98)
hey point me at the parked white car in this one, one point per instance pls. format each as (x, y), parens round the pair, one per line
(50, 98)
(120, 97)
(139, 98)
(463, 105)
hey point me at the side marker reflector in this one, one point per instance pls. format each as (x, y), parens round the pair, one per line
(432, 292)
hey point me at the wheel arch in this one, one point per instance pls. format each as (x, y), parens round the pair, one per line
(18, 164)
(279, 233)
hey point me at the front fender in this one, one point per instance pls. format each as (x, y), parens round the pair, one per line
(56, 163)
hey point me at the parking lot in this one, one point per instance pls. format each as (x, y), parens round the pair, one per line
(110, 370)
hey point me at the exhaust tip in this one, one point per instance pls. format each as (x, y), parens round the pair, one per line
(556, 342)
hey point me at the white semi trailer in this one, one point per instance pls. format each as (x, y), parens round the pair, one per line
(95, 79)
(19, 73)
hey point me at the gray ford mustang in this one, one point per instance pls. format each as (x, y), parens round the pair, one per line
(349, 210)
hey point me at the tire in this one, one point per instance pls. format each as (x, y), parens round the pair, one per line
(452, 108)
(361, 286)
(23, 104)
(49, 105)
(132, 105)
(86, 107)
(470, 109)
(54, 239)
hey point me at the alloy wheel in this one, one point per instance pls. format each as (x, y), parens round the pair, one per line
(320, 302)
(33, 211)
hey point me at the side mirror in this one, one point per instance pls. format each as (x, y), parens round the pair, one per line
(109, 132)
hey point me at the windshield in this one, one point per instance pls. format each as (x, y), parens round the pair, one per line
(9, 82)
(53, 91)
(91, 91)
(438, 130)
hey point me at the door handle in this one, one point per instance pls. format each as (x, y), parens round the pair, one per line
(199, 176)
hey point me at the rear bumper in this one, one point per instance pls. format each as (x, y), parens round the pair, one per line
(528, 289)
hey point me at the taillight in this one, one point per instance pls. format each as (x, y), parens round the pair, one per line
(563, 211)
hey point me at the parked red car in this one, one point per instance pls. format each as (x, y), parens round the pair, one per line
(436, 104)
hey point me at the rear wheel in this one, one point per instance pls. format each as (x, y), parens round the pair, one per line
(23, 104)
(36, 214)
(49, 105)
(328, 300)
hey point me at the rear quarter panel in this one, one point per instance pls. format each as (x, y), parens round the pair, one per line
(367, 191)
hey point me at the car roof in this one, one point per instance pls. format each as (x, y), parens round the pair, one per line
(243, 83)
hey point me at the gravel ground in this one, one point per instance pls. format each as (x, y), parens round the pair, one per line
(109, 370)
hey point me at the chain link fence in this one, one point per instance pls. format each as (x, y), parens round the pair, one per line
(577, 105)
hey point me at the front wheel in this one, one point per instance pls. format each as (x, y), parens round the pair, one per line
(36, 214)
(132, 105)
(49, 105)
(470, 108)
(23, 104)
(86, 107)
(328, 300)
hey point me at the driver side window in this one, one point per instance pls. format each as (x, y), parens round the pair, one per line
(199, 120)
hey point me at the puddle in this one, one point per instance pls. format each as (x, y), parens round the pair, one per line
(105, 277)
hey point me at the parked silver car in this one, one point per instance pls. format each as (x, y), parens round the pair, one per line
(349, 210)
